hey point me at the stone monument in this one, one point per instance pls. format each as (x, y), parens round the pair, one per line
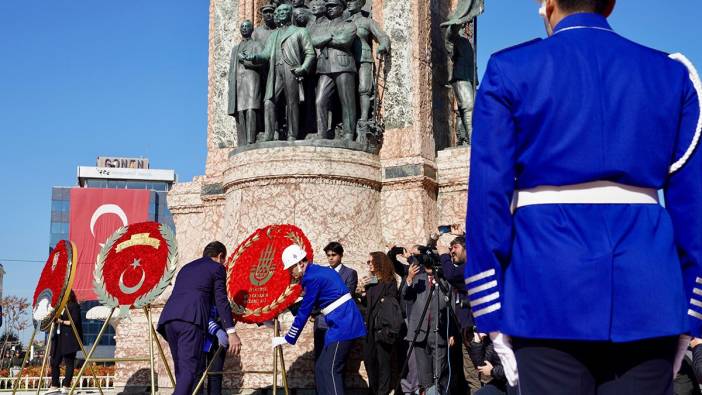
(336, 188)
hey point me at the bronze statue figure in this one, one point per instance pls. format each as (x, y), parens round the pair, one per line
(336, 68)
(367, 30)
(319, 11)
(264, 31)
(301, 16)
(318, 20)
(245, 86)
(290, 54)
(462, 54)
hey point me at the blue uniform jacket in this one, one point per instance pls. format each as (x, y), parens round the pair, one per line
(350, 278)
(584, 105)
(323, 286)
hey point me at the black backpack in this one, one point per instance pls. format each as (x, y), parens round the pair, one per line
(388, 320)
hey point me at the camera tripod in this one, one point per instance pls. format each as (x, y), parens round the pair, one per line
(444, 289)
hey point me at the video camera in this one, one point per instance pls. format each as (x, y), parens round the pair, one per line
(429, 258)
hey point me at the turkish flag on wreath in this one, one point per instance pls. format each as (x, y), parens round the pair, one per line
(95, 215)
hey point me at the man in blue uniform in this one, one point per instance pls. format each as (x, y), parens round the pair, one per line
(570, 254)
(324, 289)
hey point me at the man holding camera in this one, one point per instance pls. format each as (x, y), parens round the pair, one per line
(453, 262)
(430, 331)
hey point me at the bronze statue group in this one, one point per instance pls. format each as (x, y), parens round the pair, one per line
(308, 72)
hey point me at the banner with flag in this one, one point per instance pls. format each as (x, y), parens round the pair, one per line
(95, 215)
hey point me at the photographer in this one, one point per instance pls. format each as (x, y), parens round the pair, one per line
(431, 333)
(453, 262)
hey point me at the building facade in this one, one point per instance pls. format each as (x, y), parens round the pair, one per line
(158, 182)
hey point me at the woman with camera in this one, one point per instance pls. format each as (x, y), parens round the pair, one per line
(383, 320)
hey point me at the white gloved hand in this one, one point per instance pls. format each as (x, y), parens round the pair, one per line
(503, 347)
(279, 341)
(683, 342)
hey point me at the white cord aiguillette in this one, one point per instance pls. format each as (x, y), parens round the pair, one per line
(695, 78)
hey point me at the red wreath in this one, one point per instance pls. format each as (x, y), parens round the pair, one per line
(259, 288)
(134, 266)
(56, 279)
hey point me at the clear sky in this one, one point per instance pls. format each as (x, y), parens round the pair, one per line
(82, 78)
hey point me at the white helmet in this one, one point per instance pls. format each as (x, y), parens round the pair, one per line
(292, 255)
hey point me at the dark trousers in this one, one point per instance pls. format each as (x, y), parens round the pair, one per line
(602, 368)
(329, 369)
(378, 360)
(431, 362)
(246, 126)
(185, 341)
(458, 383)
(214, 381)
(70, 362)
(319, 334)
(285, 83)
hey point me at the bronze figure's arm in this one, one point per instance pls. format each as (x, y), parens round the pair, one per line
(308, 51)
(380, 36)
(343, 38)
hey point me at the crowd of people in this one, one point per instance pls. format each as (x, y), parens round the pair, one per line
(407, 307)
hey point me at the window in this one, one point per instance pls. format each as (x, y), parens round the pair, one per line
(116, 184)
(136, 185)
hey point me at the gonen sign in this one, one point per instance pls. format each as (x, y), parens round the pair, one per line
(125, 163)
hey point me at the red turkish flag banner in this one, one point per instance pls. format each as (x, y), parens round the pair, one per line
(95, 215)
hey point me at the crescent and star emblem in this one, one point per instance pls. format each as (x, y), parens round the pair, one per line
(136, 264)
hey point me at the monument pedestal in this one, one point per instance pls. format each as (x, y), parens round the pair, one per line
(332, 194)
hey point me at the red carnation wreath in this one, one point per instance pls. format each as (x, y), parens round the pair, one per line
(135, 265)
(55, 283)
(259, 288)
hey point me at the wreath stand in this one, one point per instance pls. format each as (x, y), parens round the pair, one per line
(150, 358)
(15, 385)
(278, 361)
(278, 358)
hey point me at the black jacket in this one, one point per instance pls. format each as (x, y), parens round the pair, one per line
(690, 375)
(64, 341)
(485, 351)
(374, 294)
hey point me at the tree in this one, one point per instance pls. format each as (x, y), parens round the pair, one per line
(15, 320)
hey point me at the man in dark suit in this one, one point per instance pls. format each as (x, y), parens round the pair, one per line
(335, 253)
(432, 341)
(183, 322)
